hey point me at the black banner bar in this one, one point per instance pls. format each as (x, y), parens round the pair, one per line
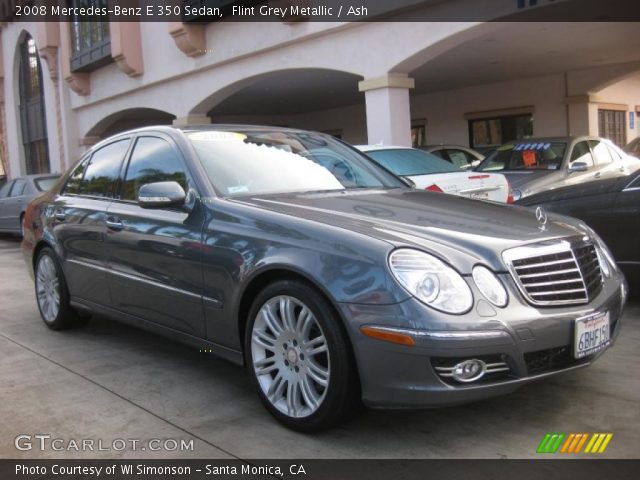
(546, 469)
(291, 11)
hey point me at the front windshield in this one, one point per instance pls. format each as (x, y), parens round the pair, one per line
(406, 162)
(270, 161)
(526, 155)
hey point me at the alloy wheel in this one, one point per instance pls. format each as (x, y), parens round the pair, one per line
(290, 356)
(48, 288)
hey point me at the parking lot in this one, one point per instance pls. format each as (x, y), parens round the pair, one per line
(109, 381)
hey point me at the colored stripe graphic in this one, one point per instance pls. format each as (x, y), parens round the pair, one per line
(598, 442)
(572, 443)
(550, 443)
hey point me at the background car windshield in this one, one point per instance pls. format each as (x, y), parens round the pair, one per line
(529, 155)
(262, 162)
(406, 162)
(45, 184)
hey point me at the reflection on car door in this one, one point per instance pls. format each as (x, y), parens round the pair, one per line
(79, 215)
(155, 269)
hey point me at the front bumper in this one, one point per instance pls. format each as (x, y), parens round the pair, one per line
(534, 342)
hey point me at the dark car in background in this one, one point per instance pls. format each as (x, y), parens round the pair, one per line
(333, 281)
(16, 194)
(612, 208)
(534, 165)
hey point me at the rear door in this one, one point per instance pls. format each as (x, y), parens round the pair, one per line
(155, 254)
(79, 216)
(4, 197)
(11, 206)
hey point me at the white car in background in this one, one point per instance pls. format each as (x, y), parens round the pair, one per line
(430, 172)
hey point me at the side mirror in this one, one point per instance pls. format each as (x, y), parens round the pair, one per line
(161, 195)
(578, 167)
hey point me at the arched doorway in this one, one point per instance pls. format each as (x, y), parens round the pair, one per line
(32, 109)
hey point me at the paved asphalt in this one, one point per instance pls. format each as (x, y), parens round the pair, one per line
(107, 381)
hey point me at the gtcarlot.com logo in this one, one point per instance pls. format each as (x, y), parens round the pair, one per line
(574, 443)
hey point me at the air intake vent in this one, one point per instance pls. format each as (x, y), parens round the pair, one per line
(559, 273)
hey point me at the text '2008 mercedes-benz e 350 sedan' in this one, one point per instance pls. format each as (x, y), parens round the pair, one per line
(329, 278)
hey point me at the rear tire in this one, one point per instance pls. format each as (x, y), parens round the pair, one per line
(300, 359)
(52, 295)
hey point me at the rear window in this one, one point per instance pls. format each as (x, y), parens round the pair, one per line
(406, 162)
(45, 184)
(525, 156)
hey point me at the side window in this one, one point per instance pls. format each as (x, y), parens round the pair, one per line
(153, 160)
(72, 187)
(633, 184)
(615, 154)
(581, 153)
(459, 158)
(600, 152)
(18, 188)
(96, 175)
(6, 188)
(104, 169)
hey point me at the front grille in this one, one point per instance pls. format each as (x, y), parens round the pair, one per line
(556, 274)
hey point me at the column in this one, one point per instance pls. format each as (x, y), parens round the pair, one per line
(388, 109)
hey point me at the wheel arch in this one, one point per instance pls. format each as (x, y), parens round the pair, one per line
(269, 275)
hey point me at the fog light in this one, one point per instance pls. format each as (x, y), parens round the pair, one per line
(469, 371)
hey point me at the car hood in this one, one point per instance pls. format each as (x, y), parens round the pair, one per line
(462, 231)
(518, 179)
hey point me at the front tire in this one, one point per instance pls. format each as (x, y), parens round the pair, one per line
(299, 358)
(52, 295)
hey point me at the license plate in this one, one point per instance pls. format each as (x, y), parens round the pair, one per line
(479, 196)
(592, 334)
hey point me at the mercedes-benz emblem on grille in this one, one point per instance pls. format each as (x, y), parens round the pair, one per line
(541, 215)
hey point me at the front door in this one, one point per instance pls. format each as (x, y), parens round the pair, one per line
(155, 270)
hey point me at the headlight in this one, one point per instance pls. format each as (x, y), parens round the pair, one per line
(490, 286)
(430, 280)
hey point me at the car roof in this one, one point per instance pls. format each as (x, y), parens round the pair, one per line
(172, 129)
(446, 145)
(371, 148)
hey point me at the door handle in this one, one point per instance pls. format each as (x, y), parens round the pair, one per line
(597, 174)
(114, 223)
(60, 214)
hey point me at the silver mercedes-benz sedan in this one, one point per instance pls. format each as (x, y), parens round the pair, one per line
(329, 278)
(534, 165)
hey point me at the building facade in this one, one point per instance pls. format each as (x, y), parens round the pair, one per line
(67, 85)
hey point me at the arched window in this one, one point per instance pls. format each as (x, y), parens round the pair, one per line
(32, 111)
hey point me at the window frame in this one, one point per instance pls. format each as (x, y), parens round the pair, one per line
(17, 181)
(119, 196)
(8, 187)
(87, 159)
(593, 143)
(573, 149)
(98, 53)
